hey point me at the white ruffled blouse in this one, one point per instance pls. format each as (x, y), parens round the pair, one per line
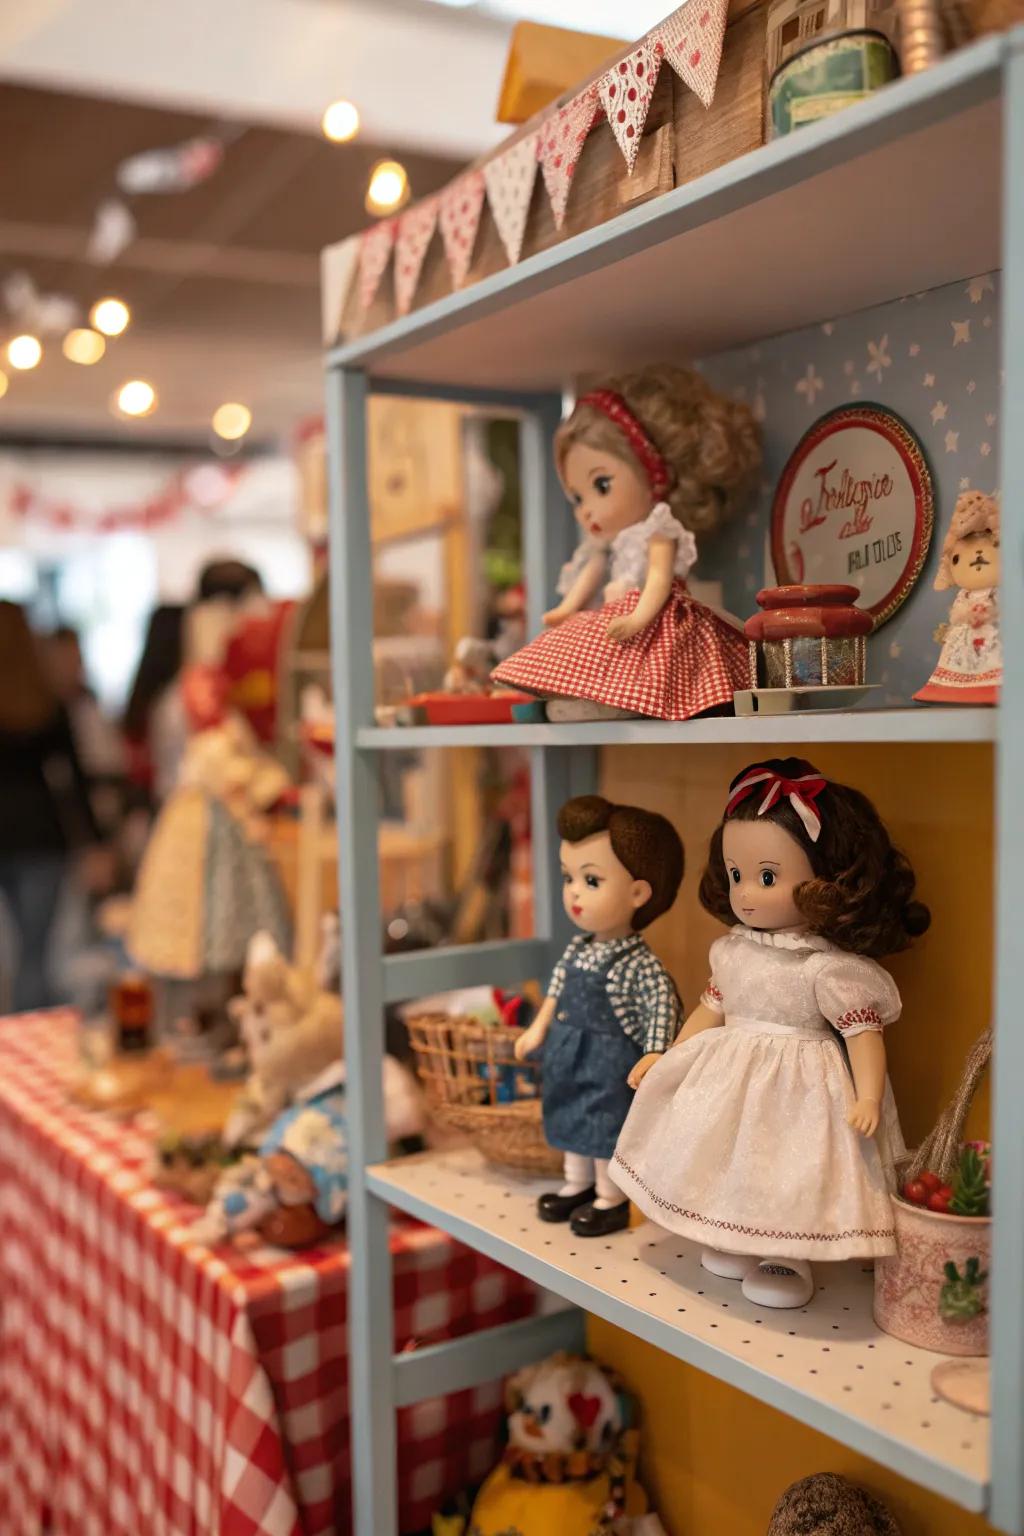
(627, 554)
(793, 977)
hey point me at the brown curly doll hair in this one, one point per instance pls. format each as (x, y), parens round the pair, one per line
(827, 1505)
(645, 843)
(862, 894)
(711, 444)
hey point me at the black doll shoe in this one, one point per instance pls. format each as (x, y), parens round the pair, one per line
(555, 1207)
(598, 1220)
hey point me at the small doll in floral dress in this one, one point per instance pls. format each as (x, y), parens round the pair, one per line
(757, 1135)
(970, 666)
(611, 1008)
(647, 461)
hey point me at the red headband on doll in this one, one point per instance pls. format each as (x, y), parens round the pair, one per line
(615, 408)
(801, 794)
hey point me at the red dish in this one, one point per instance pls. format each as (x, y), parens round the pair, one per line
(469, 708)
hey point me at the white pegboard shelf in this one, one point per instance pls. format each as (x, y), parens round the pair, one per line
(827, 1365)
(915, 724)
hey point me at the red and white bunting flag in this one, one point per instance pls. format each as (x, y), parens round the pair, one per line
(562, 137)
(337, 265)
(626, 92)
(461, 204)
(691, 41)
(509, 178)
(375, 246)
(415, 231)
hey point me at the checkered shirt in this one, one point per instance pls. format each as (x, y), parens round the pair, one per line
(643, 995)
(150, 1386)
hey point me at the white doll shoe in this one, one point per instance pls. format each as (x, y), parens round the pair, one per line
(779, 1283)
(728, 1266)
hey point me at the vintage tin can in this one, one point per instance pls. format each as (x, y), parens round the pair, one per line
(828, 75)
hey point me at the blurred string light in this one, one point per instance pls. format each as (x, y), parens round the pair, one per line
(84, 347)
(340, 122)
(3, 385)
(136, 398)
(388, 189)
(111, 316)
(232, 420)
(24, 352)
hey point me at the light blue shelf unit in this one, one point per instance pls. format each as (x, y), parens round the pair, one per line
(921, 185)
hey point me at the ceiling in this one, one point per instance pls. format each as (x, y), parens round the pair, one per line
(222, 280)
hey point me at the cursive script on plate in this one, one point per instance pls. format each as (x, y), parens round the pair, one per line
(846, 495)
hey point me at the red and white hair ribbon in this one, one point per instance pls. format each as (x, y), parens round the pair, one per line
(801, 793)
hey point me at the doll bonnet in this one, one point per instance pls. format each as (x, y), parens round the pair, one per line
(827, 1505)
(974, 513)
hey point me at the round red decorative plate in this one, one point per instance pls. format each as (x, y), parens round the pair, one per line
(855, 506)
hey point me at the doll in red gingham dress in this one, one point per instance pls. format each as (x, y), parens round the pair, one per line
(647, 461)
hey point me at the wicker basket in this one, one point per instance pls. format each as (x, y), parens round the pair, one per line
(475, 1085)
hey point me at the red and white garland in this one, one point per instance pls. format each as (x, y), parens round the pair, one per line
(175, 498)
(689, 41)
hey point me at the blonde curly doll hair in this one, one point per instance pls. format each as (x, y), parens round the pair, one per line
(711, 444)
(974, 513)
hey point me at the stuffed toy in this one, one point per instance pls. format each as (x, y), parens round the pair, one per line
(291, 1189)
(827, 1505)
(569, 1469)
(292, 1030)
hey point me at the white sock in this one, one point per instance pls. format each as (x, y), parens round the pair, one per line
(608, 1194)
(579, 1173)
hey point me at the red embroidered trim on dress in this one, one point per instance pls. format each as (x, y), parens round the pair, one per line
(966, 679)
(732, 1226)
(870, 1016)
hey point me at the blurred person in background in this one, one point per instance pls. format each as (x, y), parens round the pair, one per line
(45, 811)
(154, 720)
(98, 742)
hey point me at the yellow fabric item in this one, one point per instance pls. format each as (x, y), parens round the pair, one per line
(165, 934)
(508, 1506)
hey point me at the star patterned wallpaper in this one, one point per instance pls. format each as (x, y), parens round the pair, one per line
(933, 358)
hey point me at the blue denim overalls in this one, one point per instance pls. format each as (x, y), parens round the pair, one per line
(587, 1058)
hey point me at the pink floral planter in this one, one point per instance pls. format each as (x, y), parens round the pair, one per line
(919, 1298)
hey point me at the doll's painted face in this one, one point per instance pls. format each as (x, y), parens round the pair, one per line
(607, 493)
(974, 561)
(764, 866)
(599, 893)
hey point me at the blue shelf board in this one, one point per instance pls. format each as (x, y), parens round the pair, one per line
(920, 724)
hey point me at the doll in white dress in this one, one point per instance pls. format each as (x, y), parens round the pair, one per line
(757, 1134)
(646, 461)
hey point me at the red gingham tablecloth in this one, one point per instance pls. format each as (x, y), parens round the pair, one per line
(150, 1388)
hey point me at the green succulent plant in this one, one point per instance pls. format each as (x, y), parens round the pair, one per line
(971, 1193)
(962, 1297)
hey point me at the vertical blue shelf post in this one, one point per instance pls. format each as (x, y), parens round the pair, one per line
(547, 536)
(1007, 1287)
(371, 1347)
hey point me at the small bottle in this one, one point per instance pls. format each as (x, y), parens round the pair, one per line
(132, 1010)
